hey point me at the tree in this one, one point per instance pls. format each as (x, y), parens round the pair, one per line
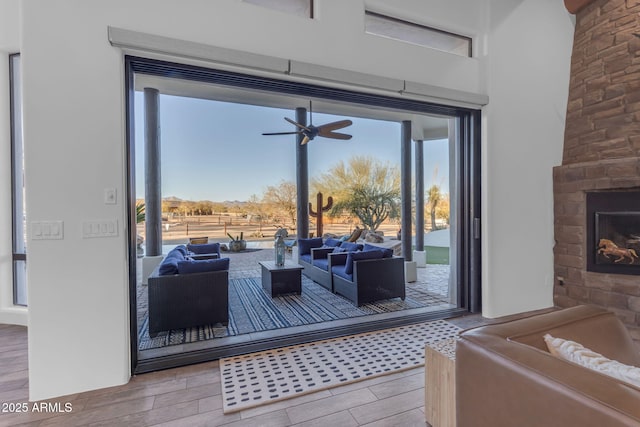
(283, 197)
(364, 187)
(434, 197)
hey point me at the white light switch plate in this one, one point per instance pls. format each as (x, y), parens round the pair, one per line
(100, 228)
(47, 230)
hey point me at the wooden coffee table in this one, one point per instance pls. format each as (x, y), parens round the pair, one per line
(281, 280)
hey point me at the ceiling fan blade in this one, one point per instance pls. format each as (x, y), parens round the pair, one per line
(335, 135)
(283, 133)
(297, 124)
(335, 125)
(305, 140)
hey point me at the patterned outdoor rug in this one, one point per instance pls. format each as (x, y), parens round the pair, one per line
(252, 310)
(268, 376)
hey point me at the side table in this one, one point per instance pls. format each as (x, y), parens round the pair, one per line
(440, 383)
(281, 280)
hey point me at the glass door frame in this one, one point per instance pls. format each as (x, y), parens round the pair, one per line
(19, 255)
(468, 122)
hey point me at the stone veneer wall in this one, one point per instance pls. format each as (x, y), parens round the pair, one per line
(601, 151)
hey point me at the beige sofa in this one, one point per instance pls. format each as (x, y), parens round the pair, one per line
(505, 375)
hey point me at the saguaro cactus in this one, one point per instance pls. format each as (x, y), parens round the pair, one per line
(321, 209)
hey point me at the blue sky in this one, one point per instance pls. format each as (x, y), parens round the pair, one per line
(216, 151)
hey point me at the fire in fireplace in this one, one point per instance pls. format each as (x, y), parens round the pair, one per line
(613, 232)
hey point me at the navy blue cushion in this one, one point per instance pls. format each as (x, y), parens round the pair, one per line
(305, 245)
(350, 246)
(169, 264)
(332, 243)
(207, 248)
(339, 270)
(306, 258)
(339, 249)
(358, 256)
(181, 248)
(386, 252)
(203, 266)
(322, 263)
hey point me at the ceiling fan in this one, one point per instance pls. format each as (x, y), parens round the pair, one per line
(310, 131)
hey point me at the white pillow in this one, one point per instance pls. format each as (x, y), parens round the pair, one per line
(577, 353)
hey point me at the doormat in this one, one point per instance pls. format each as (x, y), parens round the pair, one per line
(268, 376)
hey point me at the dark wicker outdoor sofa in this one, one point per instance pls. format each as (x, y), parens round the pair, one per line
(194, 295)
(368, 276)
(314, 256)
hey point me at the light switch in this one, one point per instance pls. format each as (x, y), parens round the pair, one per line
(110, 196)
(47, 230)
(100, 228)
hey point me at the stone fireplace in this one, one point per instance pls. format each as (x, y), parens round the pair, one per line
(601, 156)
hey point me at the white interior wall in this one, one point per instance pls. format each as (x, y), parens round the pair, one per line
(9, 43)
(529, 54)
(74, 136)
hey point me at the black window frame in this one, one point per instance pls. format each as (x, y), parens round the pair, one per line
(18, 256)
(468, 124)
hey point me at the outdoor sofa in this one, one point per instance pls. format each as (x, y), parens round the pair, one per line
(370, 275)
(313, 256)
(184, 292)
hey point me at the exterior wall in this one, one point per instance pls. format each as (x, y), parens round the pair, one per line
(74, 131)
(601, 151)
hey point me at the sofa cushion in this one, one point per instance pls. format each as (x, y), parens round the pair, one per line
(203, 266)
(305, 245)
(306, 258)
(386, 252)
(322, 263)
(169, 264)
(332, 243)
(577, 353)
(350, 246)
(208, 248)
(339, 270)
(358, 256)
(182, 249)
(339, 249)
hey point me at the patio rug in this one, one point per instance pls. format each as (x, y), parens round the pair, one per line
(269, 376)
(252, 310)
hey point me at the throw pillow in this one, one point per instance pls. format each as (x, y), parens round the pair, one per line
(209, 248)
(578, 354)
(305, 245)
(339, 249)
(358, 256)
(203, 266)
(350, 247)
(331, 242)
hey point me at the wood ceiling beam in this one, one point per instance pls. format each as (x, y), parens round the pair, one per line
(574, 6)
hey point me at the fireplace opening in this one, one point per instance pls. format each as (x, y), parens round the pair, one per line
(613, 232)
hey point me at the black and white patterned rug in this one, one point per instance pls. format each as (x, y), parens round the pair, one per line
(251, 309)
(268, 376)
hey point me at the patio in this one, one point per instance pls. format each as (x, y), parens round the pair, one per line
(429, 293)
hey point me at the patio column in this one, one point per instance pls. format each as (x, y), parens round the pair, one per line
(419, 195)
(302, 179)
(405, 189)
(419, 255)
(153, 193)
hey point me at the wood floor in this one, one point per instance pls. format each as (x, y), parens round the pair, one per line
(191, 396)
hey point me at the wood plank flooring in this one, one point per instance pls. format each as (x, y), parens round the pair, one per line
(191, 396)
